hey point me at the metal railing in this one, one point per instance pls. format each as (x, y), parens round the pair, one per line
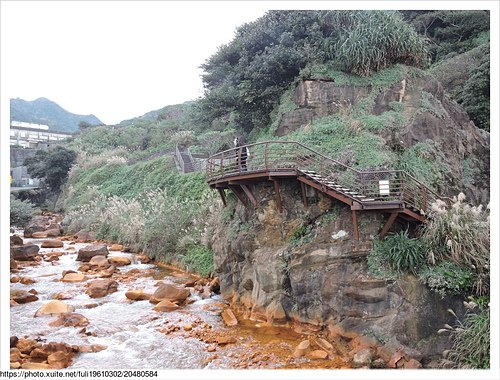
(383, 186)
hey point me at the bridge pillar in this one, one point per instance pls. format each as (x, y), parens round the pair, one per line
(355, 229)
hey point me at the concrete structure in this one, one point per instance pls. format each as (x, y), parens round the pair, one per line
(29, 135)
(25, 140)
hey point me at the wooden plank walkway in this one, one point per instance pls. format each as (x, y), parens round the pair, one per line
(392, 192)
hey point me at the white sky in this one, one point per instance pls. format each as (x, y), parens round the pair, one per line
(116, 60)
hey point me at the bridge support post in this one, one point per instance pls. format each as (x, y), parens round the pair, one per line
(250, 195)
(355, 228)
(222, 197)
(304, 194)
(239, 194)
(388, 224)
(278, 195)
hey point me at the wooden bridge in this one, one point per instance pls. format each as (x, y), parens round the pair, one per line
(394, 192)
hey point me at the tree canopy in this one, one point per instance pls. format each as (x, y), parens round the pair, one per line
(51, 165)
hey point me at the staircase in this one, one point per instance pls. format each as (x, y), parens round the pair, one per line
(393, 192)
(184, 160)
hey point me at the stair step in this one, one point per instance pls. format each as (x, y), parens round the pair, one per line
(368, 200)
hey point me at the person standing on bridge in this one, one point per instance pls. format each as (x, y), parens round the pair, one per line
(242, 154)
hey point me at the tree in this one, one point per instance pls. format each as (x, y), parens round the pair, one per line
(52, 165)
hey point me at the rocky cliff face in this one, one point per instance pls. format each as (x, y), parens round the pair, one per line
(428, 115)
(302, 264)
(270, 274)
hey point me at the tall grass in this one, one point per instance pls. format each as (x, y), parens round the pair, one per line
(461, 234)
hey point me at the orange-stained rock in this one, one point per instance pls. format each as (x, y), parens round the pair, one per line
(27, 345)
(39, 235)
(52, 244)
(63, 296)
(54, 307)
(224, 339)
(15, 365)
(74, 277)
(86, 253)
(116, 247)
(36, 366)
(53, 232)
(317, 354)
(137, 295)
(27, 280)
(15, 354)
(60, 359)
(70, 320)
(100, 261)
(412, 364)
(119, 261)
(169, 292)
(22, 296)
(166, 305)
(101, 288)
(229, 317)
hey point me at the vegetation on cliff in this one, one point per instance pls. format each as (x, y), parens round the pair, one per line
(125, 186)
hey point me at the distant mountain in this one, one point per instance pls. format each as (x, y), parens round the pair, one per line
(45, 111)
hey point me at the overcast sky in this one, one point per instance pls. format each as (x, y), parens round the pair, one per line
(116, 60)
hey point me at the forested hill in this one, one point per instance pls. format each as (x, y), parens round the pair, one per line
(45, 111)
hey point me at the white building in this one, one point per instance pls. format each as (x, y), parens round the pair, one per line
(30, 135)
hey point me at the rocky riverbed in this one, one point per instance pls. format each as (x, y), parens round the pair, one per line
(78, 303)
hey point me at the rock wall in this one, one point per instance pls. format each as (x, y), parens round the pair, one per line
(429, 115)
(321, 280)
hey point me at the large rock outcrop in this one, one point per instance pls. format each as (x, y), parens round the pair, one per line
(429, 115)
(321, 279)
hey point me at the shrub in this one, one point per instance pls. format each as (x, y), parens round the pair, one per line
(447, 278)
(461, 234)
(402, 253)
(21, 212)
(471, 346)
(199, 259)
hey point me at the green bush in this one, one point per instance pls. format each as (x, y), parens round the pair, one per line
(461, 234)
(21, 212)
(199, 259)
(471, 346)
(447, 278)
(402, 253)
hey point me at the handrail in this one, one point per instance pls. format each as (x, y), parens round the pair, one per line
(179, 158)
(379, 185)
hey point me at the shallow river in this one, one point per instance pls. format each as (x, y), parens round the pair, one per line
(136, 336)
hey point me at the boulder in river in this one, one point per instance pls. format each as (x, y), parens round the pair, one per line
(70, 320)
(74, 277)
(53, 232)
(53, 243)
(16, 240)
(22, 296)
(84, 237)
(169, 292)
(101, 288)
(54, 307)
(116, 247)
(28, 231)
(13, 263)
(25, 252)
(119, 261)
(166, 305)
(229, 317)
(39, 235)
(100, 261)
(86, 253)
(137, 295)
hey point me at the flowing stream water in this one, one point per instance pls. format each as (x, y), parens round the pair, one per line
(138, 337)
